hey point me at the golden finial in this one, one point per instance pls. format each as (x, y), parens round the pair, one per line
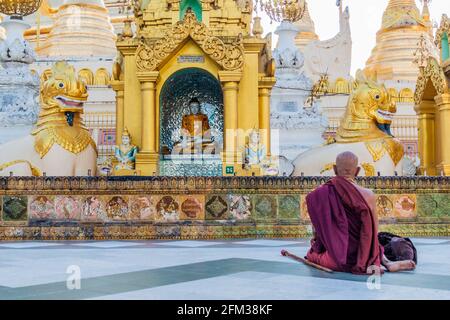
(126, 133)
(257, 27)
(19, 8)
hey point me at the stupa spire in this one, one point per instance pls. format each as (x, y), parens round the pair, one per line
(307, 29)
(426, 10)
(401, 13)
(402, 27)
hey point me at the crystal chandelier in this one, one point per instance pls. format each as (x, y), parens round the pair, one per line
(19, 8)
(282, 10)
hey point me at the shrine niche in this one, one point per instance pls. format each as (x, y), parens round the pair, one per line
(189, 91)
(432, 104)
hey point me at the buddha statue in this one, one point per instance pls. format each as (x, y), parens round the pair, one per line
(125, 153)
(195, 132)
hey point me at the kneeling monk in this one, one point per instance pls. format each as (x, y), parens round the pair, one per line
(345, 224)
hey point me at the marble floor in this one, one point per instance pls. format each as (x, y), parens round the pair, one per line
(180, 270)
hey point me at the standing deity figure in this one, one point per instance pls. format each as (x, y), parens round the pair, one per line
(195, 132)
(125, 153)
(255, 152)
(255, 157)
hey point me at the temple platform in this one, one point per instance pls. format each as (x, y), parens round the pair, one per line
(187, 165)
(235, 269)
(196, 208)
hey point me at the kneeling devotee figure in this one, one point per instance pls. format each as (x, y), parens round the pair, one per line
(345, 224)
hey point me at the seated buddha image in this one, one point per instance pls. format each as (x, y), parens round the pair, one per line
(195, 132)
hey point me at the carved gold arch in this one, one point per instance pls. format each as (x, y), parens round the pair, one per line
(87, 76)
(433, 72)
(102, 77)
(228, 56)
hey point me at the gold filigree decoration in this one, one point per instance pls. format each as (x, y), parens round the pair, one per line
(369, 169)
(19, 7)
(434, 72)
(34, 170)
(327, 167)
(229, 56)
(378, 148)
(62, 101)
(443, 28)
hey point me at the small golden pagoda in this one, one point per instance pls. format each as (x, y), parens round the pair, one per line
(208, 43)
(403, 25)
(432, 104)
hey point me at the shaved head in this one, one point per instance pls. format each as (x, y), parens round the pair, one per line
(346, 165)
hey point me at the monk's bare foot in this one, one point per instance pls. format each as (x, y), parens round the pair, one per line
(396, 266)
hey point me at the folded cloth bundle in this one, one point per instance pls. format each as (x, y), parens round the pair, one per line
(397, 248)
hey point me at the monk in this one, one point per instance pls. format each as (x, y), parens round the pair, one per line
(345, 224)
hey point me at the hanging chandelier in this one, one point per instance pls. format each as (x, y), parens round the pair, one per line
(19, 8)
(282, 10)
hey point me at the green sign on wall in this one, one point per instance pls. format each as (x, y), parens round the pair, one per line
(229, 170)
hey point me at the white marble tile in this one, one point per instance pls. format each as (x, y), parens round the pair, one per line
(268, 243)
(107, 244)
(429, 241)
(188, 243)
(29, 245)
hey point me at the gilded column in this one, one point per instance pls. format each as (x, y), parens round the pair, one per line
(265, 88)
(230, 86)
(118, 87)
(443, 107)
(148, 156)
(132, 95)
(426, 113)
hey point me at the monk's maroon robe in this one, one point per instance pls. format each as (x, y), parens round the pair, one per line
(346, 231)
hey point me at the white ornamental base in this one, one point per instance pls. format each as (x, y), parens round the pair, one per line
(290, 143)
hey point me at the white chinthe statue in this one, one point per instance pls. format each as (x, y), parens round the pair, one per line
(59, 145)
(365, 131)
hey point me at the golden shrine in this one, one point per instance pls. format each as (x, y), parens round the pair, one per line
(432, 104)
(190, 39)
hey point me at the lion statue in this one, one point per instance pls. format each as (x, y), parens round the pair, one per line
(59, 145)
(365, 131)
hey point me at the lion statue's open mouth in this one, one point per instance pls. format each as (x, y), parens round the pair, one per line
(387, 118)
(70, 104)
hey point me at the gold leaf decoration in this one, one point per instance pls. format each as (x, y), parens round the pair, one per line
(150, 55)
(434, 72)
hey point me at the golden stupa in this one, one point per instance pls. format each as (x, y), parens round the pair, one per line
(397, 40)
(81, 28)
